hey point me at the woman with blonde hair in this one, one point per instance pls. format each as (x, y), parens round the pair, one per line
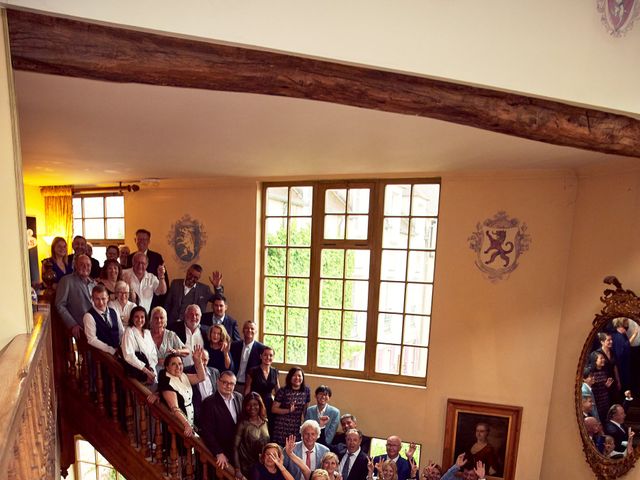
(388, 470)
(58, 259)
(271, 466)
(166, 341)
(218, 346)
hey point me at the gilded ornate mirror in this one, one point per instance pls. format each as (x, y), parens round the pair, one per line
(608, 384)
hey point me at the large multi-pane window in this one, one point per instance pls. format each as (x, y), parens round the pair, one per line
(348, 272)
(100, 219)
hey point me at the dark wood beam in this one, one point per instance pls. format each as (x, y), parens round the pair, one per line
(46, 44)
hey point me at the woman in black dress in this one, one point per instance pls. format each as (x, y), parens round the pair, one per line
(271, 465)
(264, 380)
(289, 406)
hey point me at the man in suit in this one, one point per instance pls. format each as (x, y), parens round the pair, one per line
(245, 353)
(204, 389)
(587, 383)
(102, 326)
(143, 239)
(307, 449)
(219, 317)
(73, 299)
(616, 428)
(190, 331)
(188, 290)
(354, 464)
(81, 247)
(393, 446)
(348, 422)
(218, 419)
(327, 416)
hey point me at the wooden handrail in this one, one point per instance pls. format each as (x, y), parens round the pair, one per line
(28, 413)
(102, 380)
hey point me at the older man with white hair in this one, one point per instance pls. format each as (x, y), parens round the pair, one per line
(143, 283)
(307, 449)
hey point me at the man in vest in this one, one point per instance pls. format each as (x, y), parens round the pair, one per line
(102, 326)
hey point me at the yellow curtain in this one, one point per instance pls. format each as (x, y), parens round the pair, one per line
(58, 212)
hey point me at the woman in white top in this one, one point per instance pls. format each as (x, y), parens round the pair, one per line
(166, 341)
(122, 305)
(137, 338)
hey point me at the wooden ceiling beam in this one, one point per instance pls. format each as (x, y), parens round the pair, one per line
(60, 46)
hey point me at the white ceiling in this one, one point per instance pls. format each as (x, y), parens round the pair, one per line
(76, 131)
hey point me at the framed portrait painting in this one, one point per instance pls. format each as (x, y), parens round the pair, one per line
(483, 432)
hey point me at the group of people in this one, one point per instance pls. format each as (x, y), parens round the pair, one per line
(218, 383)
(607, 386)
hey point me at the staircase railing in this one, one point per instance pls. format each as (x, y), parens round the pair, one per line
(122, 404)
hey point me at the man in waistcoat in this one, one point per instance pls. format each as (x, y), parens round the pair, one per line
(102, 326)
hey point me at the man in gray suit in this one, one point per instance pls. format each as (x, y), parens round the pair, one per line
(308, 450)
(73, 296)
(189, 290)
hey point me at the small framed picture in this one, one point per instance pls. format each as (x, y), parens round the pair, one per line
(483, 432)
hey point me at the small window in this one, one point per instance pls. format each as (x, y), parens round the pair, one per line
(99, 219)
(90, 465)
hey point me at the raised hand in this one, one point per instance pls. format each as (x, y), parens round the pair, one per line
(161, 272)
(216, 279)
(289, 444)
(323, 420)
(225, 347)
(411, 450)
(479, 469)
(609, 382)
(197, 352)
(460, 461)
(370, 465)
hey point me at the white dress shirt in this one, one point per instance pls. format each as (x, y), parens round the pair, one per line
(90, 331)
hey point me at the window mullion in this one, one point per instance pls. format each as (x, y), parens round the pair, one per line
(317, 220)
(375, 218)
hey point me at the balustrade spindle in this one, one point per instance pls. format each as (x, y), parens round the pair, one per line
(114, 400)
(188, 470)
(71, 355)
(84, 370)
(173, 458)
(158, 451)
(129, 418)
(99, 387)
(144, 430)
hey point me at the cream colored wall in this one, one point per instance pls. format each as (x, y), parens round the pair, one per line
(227, 211)
(519, 46)
(490, 342)
(605, 242)
(15, 288)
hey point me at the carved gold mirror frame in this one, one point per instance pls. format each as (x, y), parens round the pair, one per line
(617, 303)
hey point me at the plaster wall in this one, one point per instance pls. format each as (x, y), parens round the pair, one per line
(604, 242)
(548, 48)
(486, 338)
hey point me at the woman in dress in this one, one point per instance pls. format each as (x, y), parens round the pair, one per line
(166, 341)
(602, 384)
(289, 406)
(482, 450)
(252, 435)
(264, 380)
(606, 349)
(270, 466)
(218, 347)
(175, 387)
(59, 260)
(122, 305)
(109, 275)
(137, 340)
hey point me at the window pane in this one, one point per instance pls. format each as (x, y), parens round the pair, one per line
(300, 232)
(276, 231)
(274, 290)
(389, 328)
(394, 263)
(332, 263)
(106, 473)
(357, 264)
(391, 297)
(296, 350)
(357, 227)
(335, 200)
(425, 199)
(353, 356)
(396, 200)
(87, 470)
(419, 298)
(100, 460)
(356, 294)
(331, 293)
(334, 227)
(100, 254)
(421, 266)
(115, 228)
(329, 353)
(274, 320)
(414, 361)
(358, 201)
(298, 292)
(355, 326)
(394, 234)
(329, 323)
(77, 208)
(301, 201)
(93, 207)
(423, 233)
(277, 343)
(277, 199)
(85, 451)
(114, 206)
(275, 261)
(297, 321)
(77, 228)
(94, 228)
(388, 359)
(416, 330)
(299, 262)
